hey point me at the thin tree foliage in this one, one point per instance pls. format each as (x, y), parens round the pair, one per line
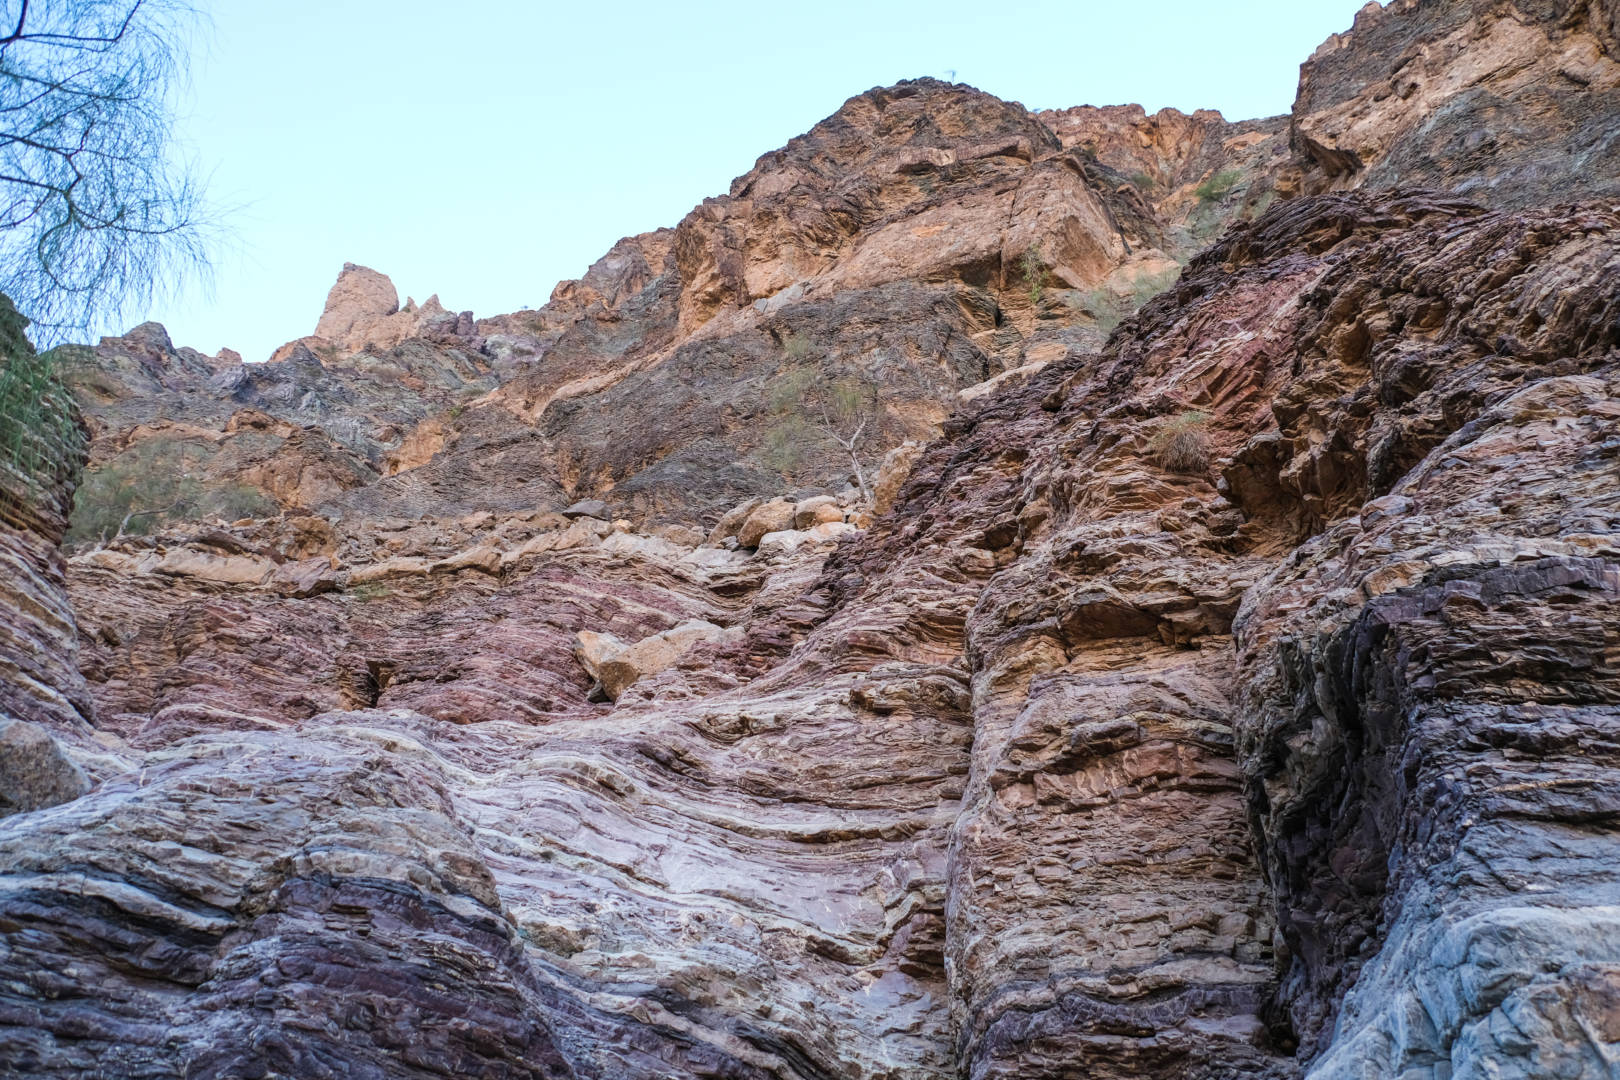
(822, 411)
(96, 215)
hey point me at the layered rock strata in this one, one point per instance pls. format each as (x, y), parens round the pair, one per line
(1231, 698)
(984, 767)
(1511, 104)
(42, 693)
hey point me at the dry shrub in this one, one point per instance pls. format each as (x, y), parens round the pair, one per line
(1183, 445)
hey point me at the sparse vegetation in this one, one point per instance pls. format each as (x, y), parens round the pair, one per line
(151, 483)
(387, 374)
(1183, 445)
(1218, 187)
(1260, 205)
(1143, 182)
(1034, 268)
(38, 429)
(1108, 308)
(820, 413)
(368, 591)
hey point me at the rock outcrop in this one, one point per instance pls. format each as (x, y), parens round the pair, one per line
(1232, 696)
(1510, 104)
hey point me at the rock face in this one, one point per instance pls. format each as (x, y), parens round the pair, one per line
(1232, 697)
(41, 688)
(1510, 104)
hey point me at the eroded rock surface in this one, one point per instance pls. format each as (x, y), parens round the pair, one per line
(1511, 104)
(1230, 698)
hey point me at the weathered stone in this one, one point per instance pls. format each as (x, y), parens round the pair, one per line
(615, 665)
(34, 773)
(591, 508)
(308, 577)
(892, 473)
(772, 516)
(732, 520)
(1068, 763)
(808, 513)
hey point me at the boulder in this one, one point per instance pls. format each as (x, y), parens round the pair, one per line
(774, 516)
(830, 531)
(780, 542)
(732, 520)
(680, 534)
(34, 773)
(815, 511)
(306, 577)
(591, 508)
(615, 665)
(787, 541)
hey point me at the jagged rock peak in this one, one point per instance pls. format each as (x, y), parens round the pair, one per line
(358, 298)
(362, 310)
(152, 334)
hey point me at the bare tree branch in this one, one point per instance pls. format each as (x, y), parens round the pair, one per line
(841, 408)
(96, 216)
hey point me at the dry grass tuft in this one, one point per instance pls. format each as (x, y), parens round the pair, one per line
(1183, 445)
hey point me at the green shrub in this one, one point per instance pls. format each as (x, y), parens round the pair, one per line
(1143, 182)
(1260, 206)
(39, 429)
(788, 444)
(1107, 309)
(151, 483)
(821, 419)
(1219, 186)
(235, 501)
(1033, 266)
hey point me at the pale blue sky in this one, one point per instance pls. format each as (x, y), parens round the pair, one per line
(487, 149)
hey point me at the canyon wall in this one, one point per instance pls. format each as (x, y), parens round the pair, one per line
(1228, 692)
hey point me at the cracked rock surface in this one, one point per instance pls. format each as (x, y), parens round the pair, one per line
(1232, 696)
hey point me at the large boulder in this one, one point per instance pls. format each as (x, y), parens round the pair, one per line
(616, 665)
(773, 516)
(817, 510)
(590, 508)
(34, 773)
(732, 520)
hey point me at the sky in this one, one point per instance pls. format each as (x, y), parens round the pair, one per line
(486, 150)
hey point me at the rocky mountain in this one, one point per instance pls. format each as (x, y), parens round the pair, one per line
(1217, 681)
